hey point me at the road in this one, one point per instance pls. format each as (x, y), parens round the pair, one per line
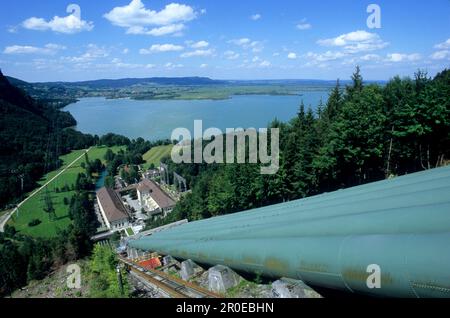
(6, 217)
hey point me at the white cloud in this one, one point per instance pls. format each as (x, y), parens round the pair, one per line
(257, 46)
(199, 45)
(12, 29)
(366, 47)
(441, 55)
(128, 65)
(357, 41)
(399, 57)
(231, 55)
(116, 62)
(165, 30)
(158, 48)
(160, 31)
(240, 42)
(265, 64)
(256, 17)
(69, 24)
(195, 53)
(443, 52)
(304, 26)
(443, 45)
(49, 49)
(139, 20)
(126, 51)
(370, 57)
(256, 59)
(55, 47)
(345, 39)
(19, 49)
(246, 44)
(292, 56)
(324, 57)
(93, 52)
(204, 66)
(171, 65)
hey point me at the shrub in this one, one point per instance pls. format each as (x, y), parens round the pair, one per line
(35, 222)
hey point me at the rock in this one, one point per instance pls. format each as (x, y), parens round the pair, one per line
(222, 278)
(289, 288)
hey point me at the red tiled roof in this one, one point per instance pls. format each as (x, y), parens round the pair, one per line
(151, 263)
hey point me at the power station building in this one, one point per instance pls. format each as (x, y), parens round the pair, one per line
(154, 199)
(113, 211)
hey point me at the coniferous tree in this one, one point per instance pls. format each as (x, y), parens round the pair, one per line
(48, 205)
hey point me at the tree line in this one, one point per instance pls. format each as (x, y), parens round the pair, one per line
(364, 133)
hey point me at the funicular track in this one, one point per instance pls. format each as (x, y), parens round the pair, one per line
(172, 287)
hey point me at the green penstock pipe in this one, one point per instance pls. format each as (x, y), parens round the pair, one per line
(395, 233)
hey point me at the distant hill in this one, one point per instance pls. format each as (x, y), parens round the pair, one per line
(15, 96)
(172, 81)
(61, 94)
(126, 82)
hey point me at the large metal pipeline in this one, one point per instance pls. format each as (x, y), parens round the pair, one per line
(401, 225)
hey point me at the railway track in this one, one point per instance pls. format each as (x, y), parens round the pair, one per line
(171, 287)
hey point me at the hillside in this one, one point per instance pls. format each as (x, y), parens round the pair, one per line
(156, 154)
(119, 83)
(32, 136)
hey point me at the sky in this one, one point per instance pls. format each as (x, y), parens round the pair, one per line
(54, 40)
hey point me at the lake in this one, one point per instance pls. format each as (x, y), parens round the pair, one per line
(156, 119)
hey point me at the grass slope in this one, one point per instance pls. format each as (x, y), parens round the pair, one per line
(155, 155)
(34, 208)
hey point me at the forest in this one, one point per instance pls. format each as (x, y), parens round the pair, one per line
(364, 133)
(33, 134)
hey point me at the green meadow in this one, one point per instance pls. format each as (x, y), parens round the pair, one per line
(33, 209)
(154, 155)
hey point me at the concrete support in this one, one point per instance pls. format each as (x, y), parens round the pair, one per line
(289, 288)
(133, 254)
(189, 269)
(168, 260)
(180, 182)
(222, 278)
(164, 173)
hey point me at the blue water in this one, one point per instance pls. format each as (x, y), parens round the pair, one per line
(154, 120)
(101, 180)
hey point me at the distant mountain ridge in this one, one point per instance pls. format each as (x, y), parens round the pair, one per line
(126, 82)
(176, 81)
(61, 94)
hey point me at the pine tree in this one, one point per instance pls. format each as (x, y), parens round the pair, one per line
(48, 205)
(357, 83)
(334, 104)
